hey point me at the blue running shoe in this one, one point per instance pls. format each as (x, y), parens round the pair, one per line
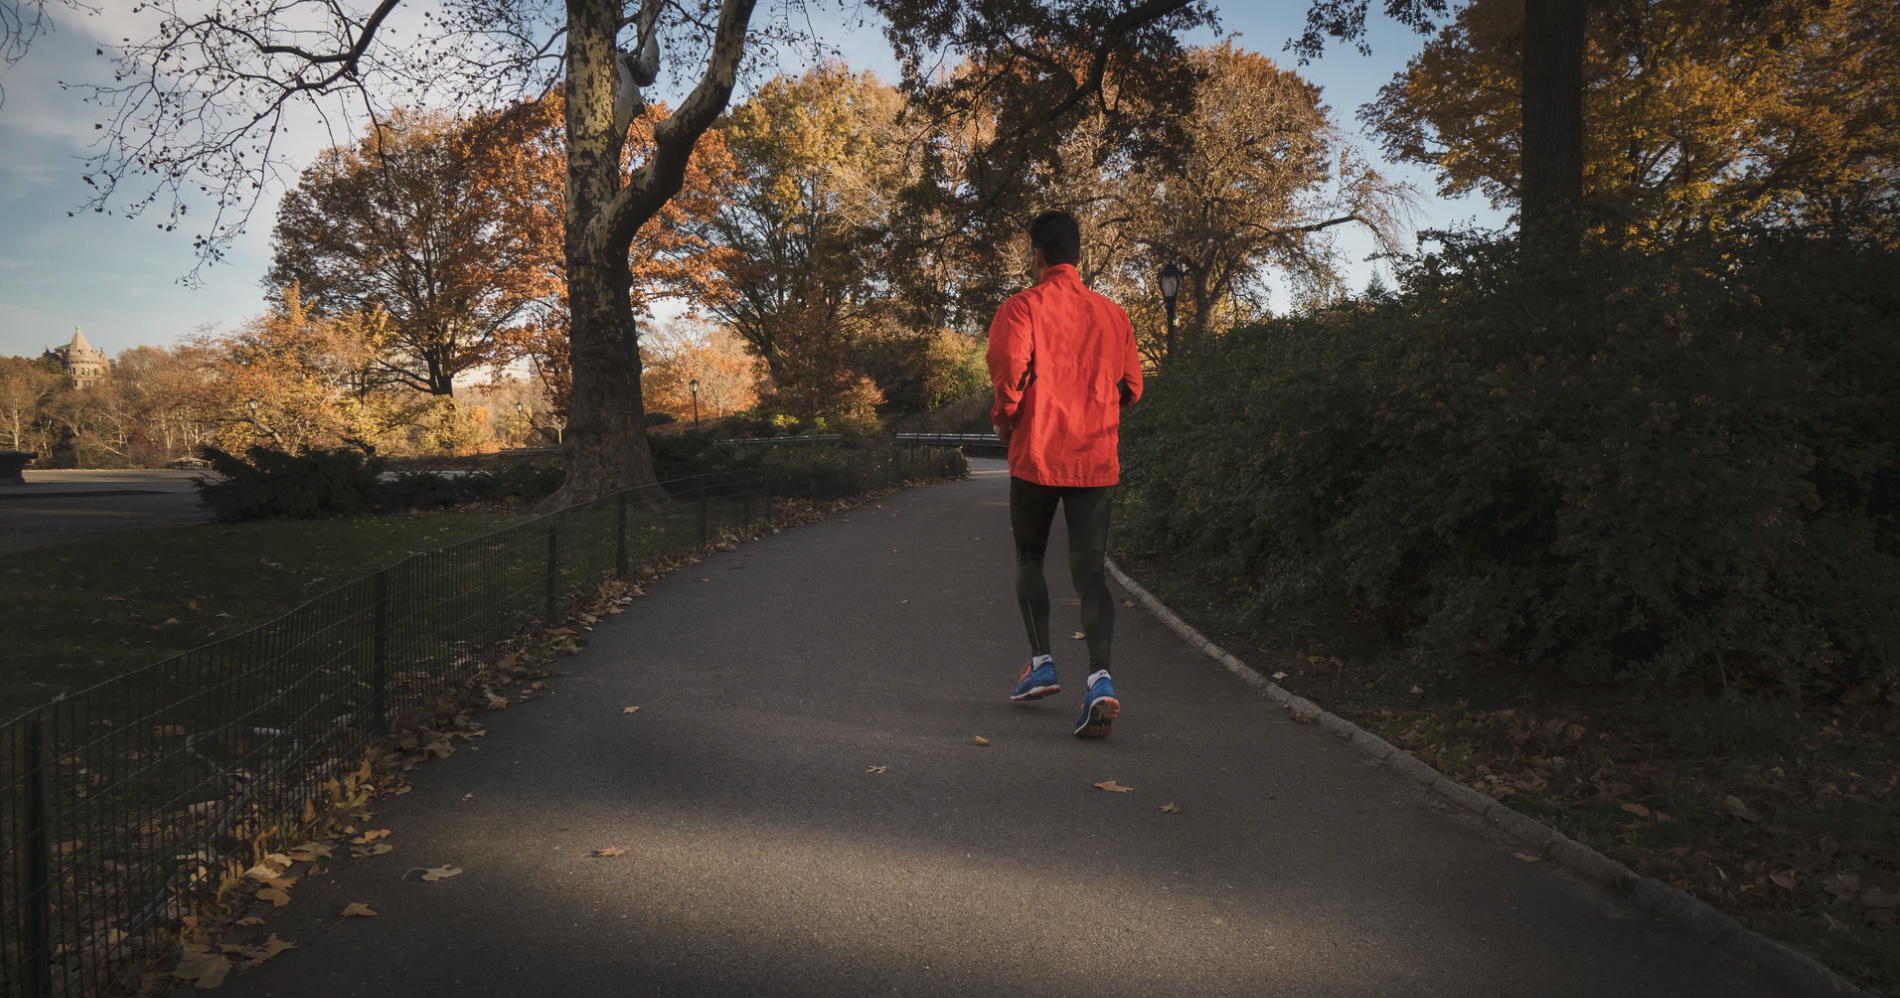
(1037, 681)
(1099, 710)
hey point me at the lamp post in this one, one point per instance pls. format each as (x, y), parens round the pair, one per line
(694, 385)
(1170, 288)
(521, 423)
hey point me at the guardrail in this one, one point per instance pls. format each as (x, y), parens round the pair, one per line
(124, 803)
(809, 439)
(952, 440)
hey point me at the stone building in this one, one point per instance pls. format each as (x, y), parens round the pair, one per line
(84, 363)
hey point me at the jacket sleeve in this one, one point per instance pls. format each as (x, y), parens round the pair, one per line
(1011, 361)
(1130, 383)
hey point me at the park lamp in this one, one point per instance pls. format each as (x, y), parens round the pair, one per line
(1170, 282)
(693, 385)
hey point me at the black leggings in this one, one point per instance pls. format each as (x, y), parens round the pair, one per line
(1032, 509)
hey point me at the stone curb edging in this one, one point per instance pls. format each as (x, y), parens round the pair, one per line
(1778, 959)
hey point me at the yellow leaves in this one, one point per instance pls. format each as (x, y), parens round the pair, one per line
(433, 874)
(876, 769)
(370, 836)
(629, 710)
(607, 853)
(277, 896)
(980, 740)
(357, 909)
(1112, 787)
(1169, 808)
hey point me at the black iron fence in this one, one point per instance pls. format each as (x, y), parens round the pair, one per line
(122, 804)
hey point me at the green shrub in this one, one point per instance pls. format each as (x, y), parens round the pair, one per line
(1668, 467)
(273, 485)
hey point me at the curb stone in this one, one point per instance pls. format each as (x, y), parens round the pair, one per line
(1775, 958)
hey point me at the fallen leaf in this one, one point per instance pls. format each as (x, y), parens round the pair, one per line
(1783, 880)
(1418, 689)
(264, 871)
(1528, 858)
(875, 769)
(206, 970)
(310, 851)
(1112, 787)
(433, 874)
(1078, 635)
(357, 909)
(608, 853)
(469, 796)
(1834, 923)
(980, 740)
(629, 710)
(496, 702)
(1279, 675)
(1636, 809)
(1733, 806)
(1575, 731)
(376, 849)
(1128, 602)
(254, 955)
(1170, 808)
(1302, 717)
(250, 920)
(275, 895)
(370, 836)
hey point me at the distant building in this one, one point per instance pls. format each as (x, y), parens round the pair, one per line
(81, 361)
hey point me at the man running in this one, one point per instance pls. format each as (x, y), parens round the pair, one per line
(1062, 359)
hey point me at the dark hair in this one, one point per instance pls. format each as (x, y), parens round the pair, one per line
(1058, 236)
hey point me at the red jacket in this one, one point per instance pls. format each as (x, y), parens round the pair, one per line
(1063, 362)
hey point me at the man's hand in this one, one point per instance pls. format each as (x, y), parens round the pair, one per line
(1001, 433)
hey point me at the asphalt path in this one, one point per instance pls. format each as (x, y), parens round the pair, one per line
(59, 507)
(758, 856)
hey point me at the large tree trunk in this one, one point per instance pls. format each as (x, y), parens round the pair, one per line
(1550, 186)
(606, 433)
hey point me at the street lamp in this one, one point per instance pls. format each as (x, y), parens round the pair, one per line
(694, 385)
(1170, 289)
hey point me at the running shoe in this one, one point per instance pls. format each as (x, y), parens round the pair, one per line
(1037, 681)
(1099, 710)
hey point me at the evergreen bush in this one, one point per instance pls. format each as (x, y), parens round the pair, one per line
(1665, 466)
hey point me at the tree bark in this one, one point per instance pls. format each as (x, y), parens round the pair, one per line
(1550, 184)
(606, 428)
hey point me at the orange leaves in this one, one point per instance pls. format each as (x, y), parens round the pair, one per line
(980, 740)
(607, 853)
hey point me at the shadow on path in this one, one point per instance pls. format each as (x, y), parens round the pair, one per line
(758, 857)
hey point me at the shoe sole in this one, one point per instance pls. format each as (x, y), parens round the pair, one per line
(1037, 693)
(1102, 715)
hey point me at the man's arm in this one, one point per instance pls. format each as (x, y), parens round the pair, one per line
(1012, 364)
(1130, 384)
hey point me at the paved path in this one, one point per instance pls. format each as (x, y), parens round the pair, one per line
(758, 857)
(58, 507)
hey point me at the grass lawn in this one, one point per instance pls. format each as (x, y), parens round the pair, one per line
(1783, 815)
(80, 613)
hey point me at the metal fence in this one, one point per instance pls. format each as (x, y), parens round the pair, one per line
(122, 804)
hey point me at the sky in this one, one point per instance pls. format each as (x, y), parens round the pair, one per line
(123, 281)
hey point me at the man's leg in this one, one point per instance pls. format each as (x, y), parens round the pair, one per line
(1032, 510)
(1086, 513)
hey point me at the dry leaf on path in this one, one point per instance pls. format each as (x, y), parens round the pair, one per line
(1783, 880)
(980, 740)
(310, 851)
(1637, 809)
(1112, 787)
(1170, 808)
(276, 896)
(433, 874)
(254, 955)
(357, 909)
(1418, 690)
(376, 849)
(608, 853)
(1528, 858)
(629, 710)
(1834, 923)
(1078, 635)
(1128, 602)
(1279, 675)
(875, 769)
(250, 920)
(206, 970)
(370, 836)
(1733, 806)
